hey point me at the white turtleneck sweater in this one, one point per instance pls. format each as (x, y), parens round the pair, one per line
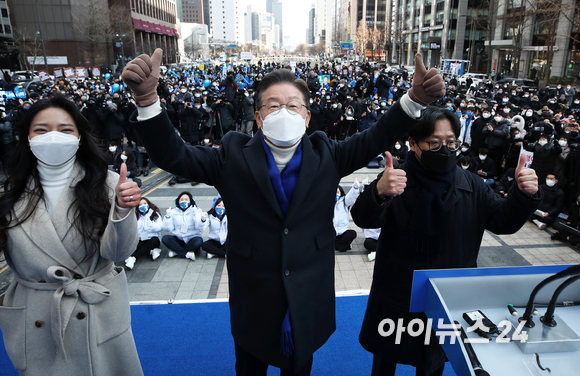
(281, 155)
(53, 180)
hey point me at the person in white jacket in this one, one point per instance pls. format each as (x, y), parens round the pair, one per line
(344, 236)
(217, 221)
(149, 225)
(184, 222)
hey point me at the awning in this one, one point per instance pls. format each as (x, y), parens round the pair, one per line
(154, 28)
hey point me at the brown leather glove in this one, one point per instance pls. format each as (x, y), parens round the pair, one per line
(141, 75)
(428, 86)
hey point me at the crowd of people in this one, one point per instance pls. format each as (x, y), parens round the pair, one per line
(498, 121)
(198, 124)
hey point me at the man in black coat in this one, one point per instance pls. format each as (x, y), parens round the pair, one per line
(432, 215)
(281, 237)
(552, 204)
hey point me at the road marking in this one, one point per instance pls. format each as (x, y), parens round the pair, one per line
(152, 174)
(162, 183)
(3, 269)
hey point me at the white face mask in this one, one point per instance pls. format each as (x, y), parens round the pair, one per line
(463, 150)
(542, 142)
(483, 157)
(112, 149)
(206, 140)
(123, 158)
(334, 105)
(283, 129)
(497, 119)
(184, 90)
(510, 178)
(550, 183)
(464, 167)
(54, 148)
(506, 110)
(486, 115)
(397, 147)
(529, 113)
(562, 143)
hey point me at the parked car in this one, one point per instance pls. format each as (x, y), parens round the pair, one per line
(514, 82)
(476, 77)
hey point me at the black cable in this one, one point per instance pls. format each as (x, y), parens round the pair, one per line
(539, 365)
(548, 318)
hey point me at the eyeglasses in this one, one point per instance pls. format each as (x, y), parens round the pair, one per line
(294, 107)
(436, 145)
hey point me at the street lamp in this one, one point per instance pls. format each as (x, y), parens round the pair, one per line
(471, 38)
(39, 32)
(120, 34)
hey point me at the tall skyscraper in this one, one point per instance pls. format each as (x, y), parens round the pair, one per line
(248, 25)
(256, 27)
(311, 25)
(226, 23)
(277, 12)
(191, 11)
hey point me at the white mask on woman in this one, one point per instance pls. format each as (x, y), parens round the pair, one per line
(123, 158)
(54, 148)
(542, 142)
(283, 129)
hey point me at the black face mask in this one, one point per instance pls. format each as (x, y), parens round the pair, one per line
(574, 134)
(440, 161)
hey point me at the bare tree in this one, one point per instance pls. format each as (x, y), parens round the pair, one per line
(376, 38)
(483, 16)
(119, 29)
(27, 43)
(362, 37)
(302, 49)
(93, 23)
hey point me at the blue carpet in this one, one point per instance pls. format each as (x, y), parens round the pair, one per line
(195, 339)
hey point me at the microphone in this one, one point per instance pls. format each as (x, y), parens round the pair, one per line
(527, 316)
(475, 364)
(548, 318)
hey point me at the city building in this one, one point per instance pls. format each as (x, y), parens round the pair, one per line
(311, 25)
(248, 25)
(96, 32)
(191, 11)
(194, 41)
(8, 52)
(320, 22)
(256, 27)
(226, 25)
(277, 13)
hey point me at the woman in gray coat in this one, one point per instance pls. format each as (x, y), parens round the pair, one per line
(64, 219)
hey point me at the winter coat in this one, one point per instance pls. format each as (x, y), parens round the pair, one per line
(248, 108)
(218, 230)
(341, 211)
(471, 207)
(177, 219)
(544, 162)
(6, 132)
(553, 202)
(67, 299)
(287, 258)
(148, 228)
(497, 137)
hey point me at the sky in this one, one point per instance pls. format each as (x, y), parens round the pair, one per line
(295, 16)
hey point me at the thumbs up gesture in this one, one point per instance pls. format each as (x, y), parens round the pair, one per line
(128, 192)
(141, 75)
(526, 177)
(428, 86)
(393, 182)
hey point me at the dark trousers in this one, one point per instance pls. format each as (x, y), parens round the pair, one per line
(249, 365)
(145, 246)
(179, 246)
(387, 368)
(214, 247)
(342, 242)
(371, 244)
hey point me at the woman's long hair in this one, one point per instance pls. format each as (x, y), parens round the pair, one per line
(153, 215)
(91, 205)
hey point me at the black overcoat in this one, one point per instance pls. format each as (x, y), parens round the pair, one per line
(276, 262)
(471, 207)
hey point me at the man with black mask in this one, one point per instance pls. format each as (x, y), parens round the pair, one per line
(365, 86)
(426, 214)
